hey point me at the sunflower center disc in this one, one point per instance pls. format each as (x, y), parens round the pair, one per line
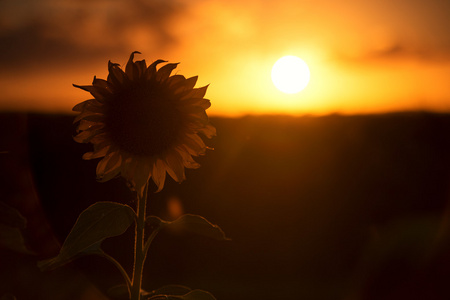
(143, 120)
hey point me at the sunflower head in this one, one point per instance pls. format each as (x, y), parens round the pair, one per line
(143, 122)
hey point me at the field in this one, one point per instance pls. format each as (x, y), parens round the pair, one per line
(332, 207)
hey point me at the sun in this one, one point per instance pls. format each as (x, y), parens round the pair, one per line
(290, 74)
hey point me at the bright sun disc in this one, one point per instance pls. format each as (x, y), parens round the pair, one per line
(290, 74)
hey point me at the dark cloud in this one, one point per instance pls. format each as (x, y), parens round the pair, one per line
(397, 51)
(416, 52)
(59, 31)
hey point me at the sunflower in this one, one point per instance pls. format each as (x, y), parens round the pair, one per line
(143, 122)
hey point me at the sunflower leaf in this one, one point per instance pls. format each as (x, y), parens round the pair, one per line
(155, 222)
(173, 289)
(11, 238)
(11, 225)
(98, 222)
(198, 225)
(198, 295)
(191, 295)
(11, 216)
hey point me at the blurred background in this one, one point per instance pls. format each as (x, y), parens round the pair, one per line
(364, 56)
(332, 207)
(338, 192)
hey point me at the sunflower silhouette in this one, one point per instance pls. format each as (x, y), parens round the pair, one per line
(143, 122)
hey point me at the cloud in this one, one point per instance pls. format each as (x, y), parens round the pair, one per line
(65, 31)
(405, 50)
(55, 30)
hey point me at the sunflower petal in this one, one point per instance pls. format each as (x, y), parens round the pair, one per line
(190, 83)
(131, 69)
(175, 166)
(101, 166)
(176, 80)
(116, 76)
(198, 92)
(164, 72)
(81, 106)
(200, 117)
(185, 87)
(150, 73)
(96, 154)
(99, 139)
(86, 125)
(92, 105)
(209, 131)
(159, 174)
(195, 104)
(98, 92)
(112, 172)
(191, 109)
(101, 83)
(86, 135)
(188, 161)
(109, 167)
(102, 144)
(89, 115)
(194, 144)
(142, 66)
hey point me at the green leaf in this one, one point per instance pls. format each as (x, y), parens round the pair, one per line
(11, 216)
(121, 292)
(198, 295)
(11, 225)
(168, 292)
(198, 225)
(11, 238)
(172, 289)
(155, 222)
(191, 295)
(98, 222)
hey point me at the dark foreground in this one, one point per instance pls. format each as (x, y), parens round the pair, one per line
(335, 207)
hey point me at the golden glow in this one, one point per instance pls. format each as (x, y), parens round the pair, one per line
(363, 56)
(290, 74)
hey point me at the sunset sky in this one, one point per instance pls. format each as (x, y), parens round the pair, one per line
(364, 56)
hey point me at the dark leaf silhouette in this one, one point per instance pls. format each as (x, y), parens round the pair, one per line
(98, 222)
(11, 223)
(11, 217)
(173, 289)
(198, 225)
(188, 294)
(11, 238)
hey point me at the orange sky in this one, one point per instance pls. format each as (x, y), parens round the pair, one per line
(364, 56)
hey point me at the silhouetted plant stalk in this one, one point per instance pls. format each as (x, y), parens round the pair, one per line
(140, 252)
(143, 123)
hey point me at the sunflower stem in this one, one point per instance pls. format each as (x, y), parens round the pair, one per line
(139, 253)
